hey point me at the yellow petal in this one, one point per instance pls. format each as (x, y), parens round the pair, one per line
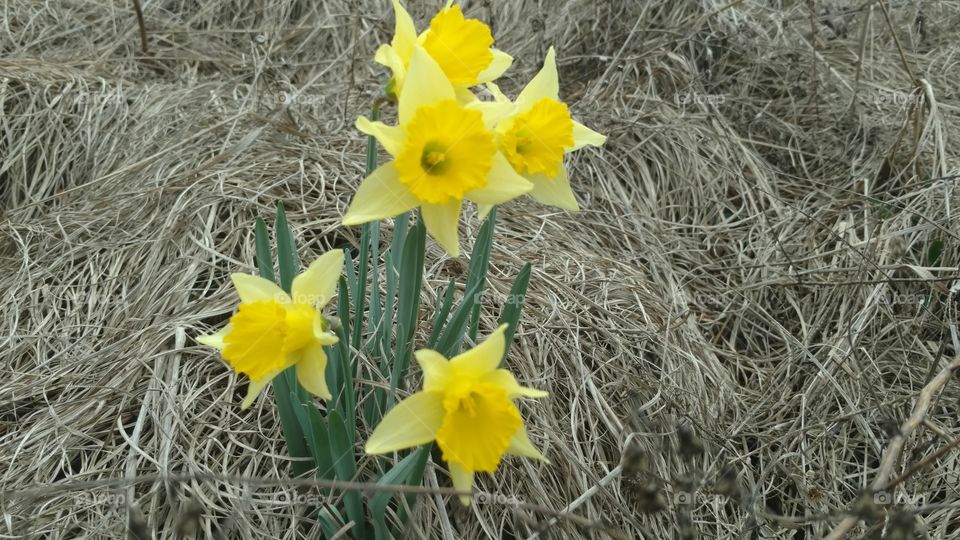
(392, 138)
(505, 380)
(544, 84)
(320, 333)
(318, 284)
(554, 191)
(256, 289)
(477, 427)
(493, 111)
(485, 357)
(442, 222)
(424, 84)
(583, 136)
(462, 481)
(405, 33)
(483, 210)
(215, 339)
(255, 387)
(435, 368)
(498, 94)
(503, 184)
(520, 445)
(501, 63)
(312, 371)
(381, 195)
(414, 421)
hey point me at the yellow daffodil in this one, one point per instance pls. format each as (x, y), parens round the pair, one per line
(443, 152)
(466, 405)
(272, 330)
(538, 132)
(461, 47)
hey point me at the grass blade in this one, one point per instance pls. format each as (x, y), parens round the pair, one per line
(442, 311)
(408, 304)
(408, 472)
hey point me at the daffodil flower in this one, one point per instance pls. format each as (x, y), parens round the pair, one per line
(466, 405)
(443, 152)
(538, 132)
(462, 47)
(272, 330)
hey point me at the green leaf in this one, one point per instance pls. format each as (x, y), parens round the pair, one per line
(286, 250)
(454, 330)
(443, 309)
(408, 304)
(408, 472)
(479, 263)
(511, 311)
(264, 257)
(345, 465)
(934, 252)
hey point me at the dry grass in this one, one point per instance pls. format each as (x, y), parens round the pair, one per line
(750, 274)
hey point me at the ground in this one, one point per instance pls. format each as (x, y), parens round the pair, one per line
(747, 331)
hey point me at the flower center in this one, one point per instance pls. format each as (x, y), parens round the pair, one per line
(264, 334)
(448, 152)
(534, 142)
(479, 422)
(434, 159)
(461, 47)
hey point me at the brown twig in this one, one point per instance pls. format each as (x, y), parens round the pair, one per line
(142, 25)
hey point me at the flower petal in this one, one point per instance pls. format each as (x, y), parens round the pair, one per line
(412, 422)
(442, 222)
(215, 339)
(498, 94)
(501, 62)
(583, 136)
(544, 84)
(554, 191)
(485, 357)
(435, 368)
(312, 371)
(424, 84)
(380, 195)
(256, 289)
(483, 210)
(462, 481)
(492, 111)
(255, 387)
(503, 184)
(318, 284)
(520, 445)
(392, 138)
(505, 380)
(405, 32)
(321, 334)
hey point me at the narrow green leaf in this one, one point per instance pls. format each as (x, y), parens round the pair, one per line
(511, 310)
(341, 451)
(479, 263)
(351, 275)
(408, 305)
(443, 309)
(408, 472)
(286, 250)
(454, 330)
(264, 258)
(321, 442)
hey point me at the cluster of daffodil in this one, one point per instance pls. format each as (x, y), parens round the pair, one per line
(449, 144)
